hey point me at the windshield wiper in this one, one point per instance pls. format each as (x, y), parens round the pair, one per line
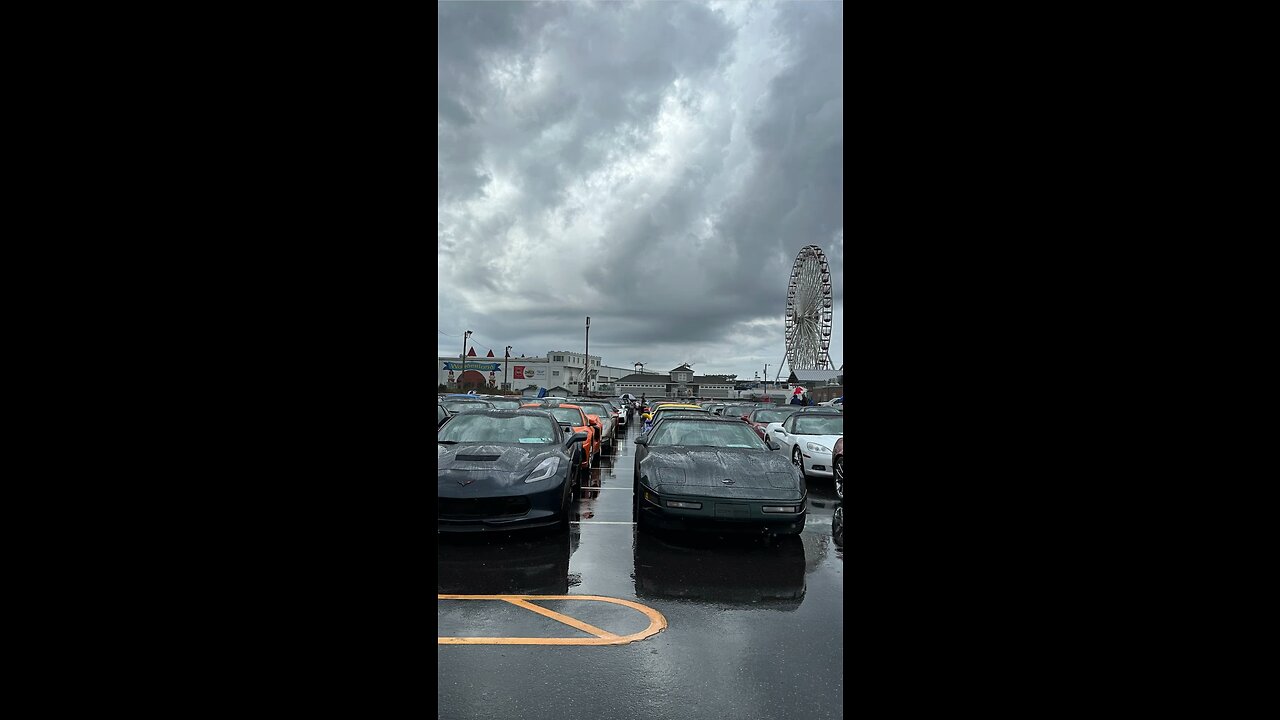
(447, 442)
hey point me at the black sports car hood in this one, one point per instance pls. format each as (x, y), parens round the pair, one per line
(480, 457)
(703, 471)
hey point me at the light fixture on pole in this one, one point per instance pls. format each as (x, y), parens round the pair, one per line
(586, 366)
(505, 364)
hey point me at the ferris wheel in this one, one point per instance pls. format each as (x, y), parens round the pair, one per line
(809, 311)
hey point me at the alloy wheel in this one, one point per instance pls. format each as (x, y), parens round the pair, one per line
(838, 471)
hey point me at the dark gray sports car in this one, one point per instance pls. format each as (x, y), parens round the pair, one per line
(716, 474)
(506, 469)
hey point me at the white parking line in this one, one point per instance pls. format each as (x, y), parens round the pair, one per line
(599, 522)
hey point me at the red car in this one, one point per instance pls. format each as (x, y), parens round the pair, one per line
(760, 417)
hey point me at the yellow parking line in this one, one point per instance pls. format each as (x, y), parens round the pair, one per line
(571, 622)
(657, 623)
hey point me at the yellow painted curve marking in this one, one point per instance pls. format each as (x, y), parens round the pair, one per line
(571, 622)
(657, 623)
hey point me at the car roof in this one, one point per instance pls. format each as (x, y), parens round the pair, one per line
(698, 416)
(563, 405)
(511, 412)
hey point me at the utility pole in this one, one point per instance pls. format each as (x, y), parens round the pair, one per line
(586, 372)
(506, 363)
(766, 379)
(465, 335)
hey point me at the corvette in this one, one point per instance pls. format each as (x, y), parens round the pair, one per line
(506, 469)
(808, 438)
(762, 418)
(712, 473)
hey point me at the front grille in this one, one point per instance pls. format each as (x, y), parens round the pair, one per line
(470, 508)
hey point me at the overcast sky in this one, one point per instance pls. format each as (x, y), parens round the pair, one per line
(655, 165)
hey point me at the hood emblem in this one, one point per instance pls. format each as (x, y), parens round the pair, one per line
(465, 482)
(727, 481)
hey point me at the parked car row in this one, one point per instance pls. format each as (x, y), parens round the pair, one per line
(508, 463)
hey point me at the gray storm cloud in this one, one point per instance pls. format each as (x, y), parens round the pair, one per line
(656, 166)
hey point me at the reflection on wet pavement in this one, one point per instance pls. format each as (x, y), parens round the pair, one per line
(535, 563)
(732, 570)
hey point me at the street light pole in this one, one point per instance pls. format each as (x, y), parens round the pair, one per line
(586, 377)
(506, 363)
(463, 371)
(766, 379)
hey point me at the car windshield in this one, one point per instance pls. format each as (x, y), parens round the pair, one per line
(738, 410)
(523, 429)
(819, 425)
(457, 406)
(771, 416)
(715, 434)
(572, 416)
(594, 409)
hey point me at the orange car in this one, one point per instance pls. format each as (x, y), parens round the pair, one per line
(597, 429)
(574, 417)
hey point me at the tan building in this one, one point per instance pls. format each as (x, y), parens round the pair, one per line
(677, 383)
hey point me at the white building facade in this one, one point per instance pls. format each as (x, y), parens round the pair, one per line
(677, 383)
(557, 369)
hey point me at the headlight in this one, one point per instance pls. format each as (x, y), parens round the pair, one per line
(545, 469)
(815, 447)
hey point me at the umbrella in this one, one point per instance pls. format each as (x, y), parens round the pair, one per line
(799, 390)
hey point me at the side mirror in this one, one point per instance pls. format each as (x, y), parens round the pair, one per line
(575, 438)
(772, 445)
(642, 441)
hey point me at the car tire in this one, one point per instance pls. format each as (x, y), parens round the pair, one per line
(641, 523)
(838, 472)
(798, 461)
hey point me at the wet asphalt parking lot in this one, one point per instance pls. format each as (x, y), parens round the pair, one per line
(753, 628)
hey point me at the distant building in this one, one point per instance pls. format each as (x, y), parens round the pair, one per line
(679, 382)
(563, 368)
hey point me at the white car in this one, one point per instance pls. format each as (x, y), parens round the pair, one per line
(807, 438)
(835, 403)
(619, 412)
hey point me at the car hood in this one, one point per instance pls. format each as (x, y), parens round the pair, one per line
(703, 470)
(488, 458)
(829, 441)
